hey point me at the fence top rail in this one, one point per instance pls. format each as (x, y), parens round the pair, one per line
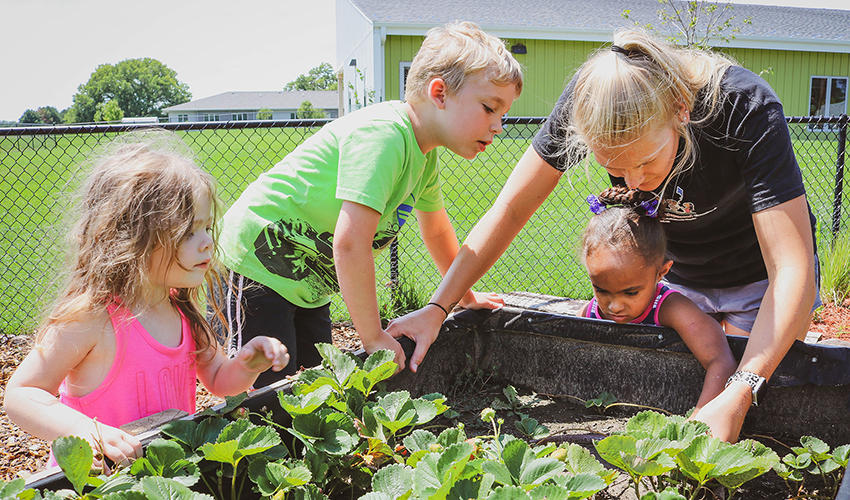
(126, 127)
(314, 122)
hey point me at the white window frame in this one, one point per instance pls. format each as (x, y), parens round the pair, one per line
(243, 116)
(829, 79)
(211, 117)
(402, 81)
(182, 118)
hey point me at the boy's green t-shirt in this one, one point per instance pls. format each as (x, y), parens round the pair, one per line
(280, 230)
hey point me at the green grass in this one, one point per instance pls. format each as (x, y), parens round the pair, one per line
(36, 173)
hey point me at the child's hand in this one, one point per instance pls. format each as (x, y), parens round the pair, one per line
(120, 447)
(385, 341)
(260, 353)
(481, 300)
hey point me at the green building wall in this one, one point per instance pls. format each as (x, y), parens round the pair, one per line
(549, 64)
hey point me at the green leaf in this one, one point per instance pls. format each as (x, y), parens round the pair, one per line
(531, 428)
(75, 457)
(425, 411)
(508, 493)
(420, 439)
(193, 434)
(609, 449)
(841, 454)
(116, 483)
(668, 494)
(378, 358)
(127, 495)
(230, 404)
(394, 480)
(582, 485)
(305, 403)
(12, 488)
(331, 432)
(646, 424)
(499, 471)
(579, 460)
(160, 488)
(272, 477)
(451, 436)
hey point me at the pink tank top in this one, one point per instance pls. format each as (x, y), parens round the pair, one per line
(146, 377)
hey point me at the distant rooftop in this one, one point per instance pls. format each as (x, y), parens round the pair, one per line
(247, 101)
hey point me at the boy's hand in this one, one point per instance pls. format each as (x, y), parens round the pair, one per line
(385, 341)
(260, 353)
(420, 326)
(120, 447)
(481, 300)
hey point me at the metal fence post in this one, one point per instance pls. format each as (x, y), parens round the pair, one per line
(394, 268)
(839, 175)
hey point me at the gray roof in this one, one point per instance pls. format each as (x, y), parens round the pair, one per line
(594, 15)
(275, 99)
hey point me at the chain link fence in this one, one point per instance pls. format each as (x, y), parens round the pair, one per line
(40, 168)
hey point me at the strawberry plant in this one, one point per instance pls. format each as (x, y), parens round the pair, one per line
(349, 438)
(813, 458)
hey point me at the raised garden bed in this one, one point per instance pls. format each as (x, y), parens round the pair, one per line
(557, 361)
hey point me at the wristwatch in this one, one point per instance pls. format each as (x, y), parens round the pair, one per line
(757, 383)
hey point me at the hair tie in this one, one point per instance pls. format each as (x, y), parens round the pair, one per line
(621, 50)
(596, 206)
(650, 207)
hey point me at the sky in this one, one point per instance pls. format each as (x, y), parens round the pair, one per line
(50, 47)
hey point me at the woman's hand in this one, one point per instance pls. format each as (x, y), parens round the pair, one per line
(421, 326)
(482, 300)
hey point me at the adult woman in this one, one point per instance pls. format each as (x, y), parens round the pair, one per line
(711, 138)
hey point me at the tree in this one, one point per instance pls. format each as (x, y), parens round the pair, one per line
(139, 87)
(695, 23)
(30, 116)
(108, 112)
(49, 115)
(322, 77)
(306, 111)
(264, 114)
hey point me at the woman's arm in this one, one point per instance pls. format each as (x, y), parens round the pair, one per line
(528, 186)
(440, 240)
(785, 236)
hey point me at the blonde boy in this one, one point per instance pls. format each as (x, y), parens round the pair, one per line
(311, 225)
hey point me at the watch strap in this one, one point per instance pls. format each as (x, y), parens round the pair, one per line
(754, 380)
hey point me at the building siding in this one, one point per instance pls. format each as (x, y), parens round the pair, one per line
(549, 64)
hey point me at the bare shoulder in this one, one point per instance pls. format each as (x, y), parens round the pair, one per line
(681, 314)
(82, 334)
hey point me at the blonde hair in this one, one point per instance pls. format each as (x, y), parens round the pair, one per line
(619, 97)
(140, 196)
(457, 52)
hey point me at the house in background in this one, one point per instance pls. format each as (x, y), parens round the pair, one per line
(803, 53)
(236, 106)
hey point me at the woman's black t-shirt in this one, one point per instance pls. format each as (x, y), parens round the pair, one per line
(744, 164)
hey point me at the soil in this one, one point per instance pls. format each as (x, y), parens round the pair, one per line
(21, 455)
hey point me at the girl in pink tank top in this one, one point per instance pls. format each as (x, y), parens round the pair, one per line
(127, 337)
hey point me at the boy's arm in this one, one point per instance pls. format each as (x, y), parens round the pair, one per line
(30, 399)
(440, 240)
(355, 268)
(228, 377)
(705, 338)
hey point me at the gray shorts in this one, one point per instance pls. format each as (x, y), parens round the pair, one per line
(738, 305)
